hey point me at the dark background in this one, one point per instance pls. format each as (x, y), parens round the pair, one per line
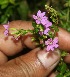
(24, 9)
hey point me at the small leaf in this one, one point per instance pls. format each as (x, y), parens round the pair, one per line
(12, 1)
(23, 9)
(59, 75)
(13, 29)
(4, 6)
(56, 28)
(64, 53)
(63, 68)
(24, 32)
(4, 19)
(51, 35)
(36, 30)
(34, 24)
(67, 74)
(3, 2)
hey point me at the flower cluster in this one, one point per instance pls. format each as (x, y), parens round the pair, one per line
(43, 29)
(6, 26)
(51, 44)
(6, 32)
(42, 19)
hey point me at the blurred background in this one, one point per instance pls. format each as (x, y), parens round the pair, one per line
(24, 9)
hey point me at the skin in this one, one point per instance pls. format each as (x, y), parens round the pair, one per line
(27, 65)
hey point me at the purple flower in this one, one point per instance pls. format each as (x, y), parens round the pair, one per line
(6, 26)
(46, 31)
(48, 24)
(6, 32)
(44, 20)
(51, 44)
(55, 42)
(40, 17)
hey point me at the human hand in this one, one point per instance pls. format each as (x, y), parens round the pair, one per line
(33, 63)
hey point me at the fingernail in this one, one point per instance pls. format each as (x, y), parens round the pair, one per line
(48, 58)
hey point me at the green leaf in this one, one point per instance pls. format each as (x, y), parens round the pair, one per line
(31, 31)
(4, 6)
(67, 74)
(64, 53)
(4, 19)
(34, 24)
(12, 1)
(59, 67)
(63, 68)
(51, 35)
(33, 39)
(56, 28)
(24, 32)
(3, 2)
(36, 30)
(13, 29)
(59, 75)
(44, 36)
(23, 10)
(41, 27)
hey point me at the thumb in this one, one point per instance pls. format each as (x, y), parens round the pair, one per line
(36, 63)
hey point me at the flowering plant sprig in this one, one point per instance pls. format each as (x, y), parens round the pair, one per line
(45, 31)
(45, 34)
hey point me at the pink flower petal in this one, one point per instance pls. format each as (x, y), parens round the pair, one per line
(37, 21)
(46, 31)
(56, 46)
(55, 40)
(6, 32)
(39, 13)
(6, 26)
(48, 48)
(43, 14)
(35, 17)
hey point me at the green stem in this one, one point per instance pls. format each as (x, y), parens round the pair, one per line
(68, 11)
(68, 15)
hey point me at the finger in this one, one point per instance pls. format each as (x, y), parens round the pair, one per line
(64, 39)
(36, 63)
(67, 58)
(26, 40)
(8, 46)
(53, 74)
(3, 58)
